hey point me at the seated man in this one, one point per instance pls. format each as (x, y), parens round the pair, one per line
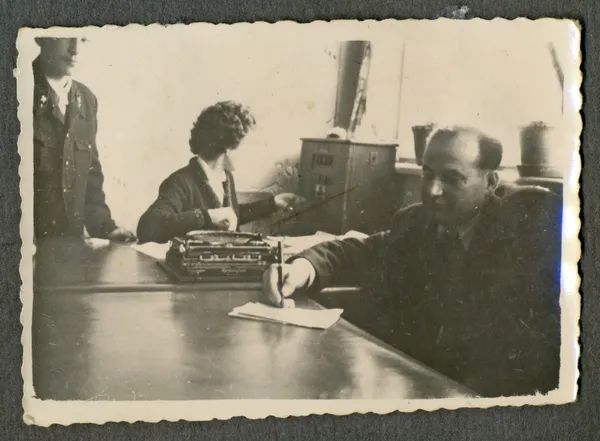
(201, 195)
(469, 282)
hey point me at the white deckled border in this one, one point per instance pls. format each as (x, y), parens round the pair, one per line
(45, 413)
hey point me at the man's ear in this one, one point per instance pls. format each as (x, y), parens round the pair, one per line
(493, 179)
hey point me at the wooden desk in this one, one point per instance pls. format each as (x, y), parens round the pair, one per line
(71, 265)
(181, 344)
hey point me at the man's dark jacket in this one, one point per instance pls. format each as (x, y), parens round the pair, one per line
(68, 177)
(184, 199)
(498, 330)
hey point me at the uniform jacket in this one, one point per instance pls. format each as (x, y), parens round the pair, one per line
(68, 177)
(499, 332)
(184, 199)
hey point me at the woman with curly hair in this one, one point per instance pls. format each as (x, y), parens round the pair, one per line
(201, 195)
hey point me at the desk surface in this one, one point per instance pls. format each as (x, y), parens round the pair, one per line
(72, 265)
(62, 263)
(181, 344)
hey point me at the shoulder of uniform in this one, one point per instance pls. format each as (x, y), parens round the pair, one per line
(530, 198)
(529, 207)
(85, 91)
(180, 177)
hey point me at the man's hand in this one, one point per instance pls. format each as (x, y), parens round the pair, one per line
(296, 275)
(288, 200)
(121, 235)
(223, 218)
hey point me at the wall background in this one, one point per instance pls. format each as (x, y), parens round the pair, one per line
(165, 80)
(152, 84)
(483, 74)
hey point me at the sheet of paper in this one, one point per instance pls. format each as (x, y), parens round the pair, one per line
(309, 318)
(355, 234)
(325, 235)
(155, 250)
(297, 244)
(95, 243)
(258, 319)
(300, 241)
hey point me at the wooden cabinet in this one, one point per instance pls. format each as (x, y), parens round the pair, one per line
(348, 185)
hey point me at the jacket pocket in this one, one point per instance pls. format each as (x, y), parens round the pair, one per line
(43, 147)
(83, 145)
(79, 172)
(83, 156)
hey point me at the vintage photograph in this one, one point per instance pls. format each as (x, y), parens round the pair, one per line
(289, 219)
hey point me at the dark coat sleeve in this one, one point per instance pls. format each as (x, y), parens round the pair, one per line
(167, 217)
(98, 220)
(256, 210)
(342, 260)
(253, 210)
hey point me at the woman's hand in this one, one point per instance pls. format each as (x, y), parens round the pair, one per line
(121, 235)
(223, 219)
(288, 200)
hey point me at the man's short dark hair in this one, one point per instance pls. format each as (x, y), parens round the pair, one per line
(490, 149)
(219, 128)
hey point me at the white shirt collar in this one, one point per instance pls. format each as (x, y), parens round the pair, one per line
(62, 86)
(214, 176)
(465, 232)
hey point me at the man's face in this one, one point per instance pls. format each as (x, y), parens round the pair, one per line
(452, 186)
(58, 55)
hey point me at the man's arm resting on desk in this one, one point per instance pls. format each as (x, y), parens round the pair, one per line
(323, 265)
(316, 268)
(339, 259)
(296, 275)
(306, 269)
(98, 220)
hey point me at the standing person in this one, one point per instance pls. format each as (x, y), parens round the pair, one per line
(469, 283)
(68, 179)
(202, 195)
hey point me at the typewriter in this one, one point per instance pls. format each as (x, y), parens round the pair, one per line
(219, 256)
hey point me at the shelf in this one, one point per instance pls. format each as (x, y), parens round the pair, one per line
(407, 168)
(507, 174)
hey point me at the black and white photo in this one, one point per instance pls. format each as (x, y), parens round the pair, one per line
(289, 219)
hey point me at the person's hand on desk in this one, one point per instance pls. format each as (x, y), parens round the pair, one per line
(296, 275)
(288, 201)
(223, 218)
(121, 235)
